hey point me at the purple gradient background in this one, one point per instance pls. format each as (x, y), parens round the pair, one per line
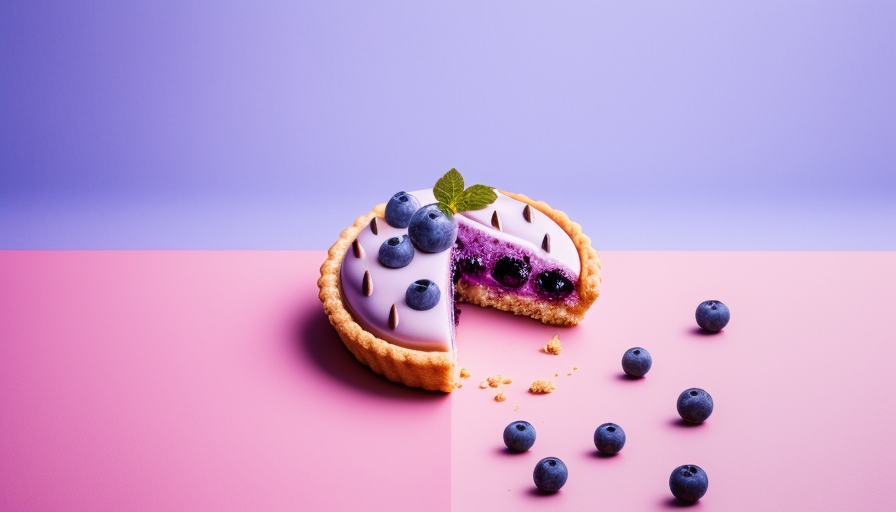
(657, 125)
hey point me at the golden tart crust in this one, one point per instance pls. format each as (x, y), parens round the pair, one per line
(438, 370)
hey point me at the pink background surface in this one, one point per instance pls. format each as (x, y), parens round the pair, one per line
(156, 380)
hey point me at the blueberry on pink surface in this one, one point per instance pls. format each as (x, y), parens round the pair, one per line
(550, 474)
(636, 362)
(688, 482)
(712, 315)
(519, 436)
(694, 405)
(609, 438)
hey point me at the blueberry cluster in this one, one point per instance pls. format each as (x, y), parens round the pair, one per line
(429, 230)
(551, 473)
(688, 483)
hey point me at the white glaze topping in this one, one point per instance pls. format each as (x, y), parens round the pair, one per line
(433, 329)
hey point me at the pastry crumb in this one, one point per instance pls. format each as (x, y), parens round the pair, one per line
(496, 380)
(500, 397)
(541, 387)
(516, 408)
(483, 384)
(507, 380)
(553, 346)
(464, 373)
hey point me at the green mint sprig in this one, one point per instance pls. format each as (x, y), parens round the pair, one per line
(453, 198)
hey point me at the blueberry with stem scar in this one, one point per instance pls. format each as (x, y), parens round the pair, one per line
(519, 436)
(422, 294)
(688, 483)
(400, 208)
(712, 315)
(396, 252)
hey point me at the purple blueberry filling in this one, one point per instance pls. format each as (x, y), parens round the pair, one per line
(479, 259)
(512, 272)
(553, 283)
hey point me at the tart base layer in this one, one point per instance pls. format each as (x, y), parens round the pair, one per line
(437, 370)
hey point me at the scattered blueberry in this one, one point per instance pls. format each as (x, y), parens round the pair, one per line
(712, 315)
(511, 272)
(636, 362)
(553, 283)
(396, 252)
(431, 230)
(400, 208)
(694, 405)
(550, 474)
(519, 436)
(688, 482)
(422, 294)
(609, 438)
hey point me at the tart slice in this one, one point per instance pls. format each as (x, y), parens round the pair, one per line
(390, 281)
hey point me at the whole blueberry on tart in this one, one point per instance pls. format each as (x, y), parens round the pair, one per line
(432, 230)
(400, 208)
(390, 289)
(396, 252)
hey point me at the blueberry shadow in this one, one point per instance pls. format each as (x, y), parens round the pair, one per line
(535, 491)
(507, 451)
(601, 455)
(673, 502)
(701, 332)
(678, 422)
(627, 378)
(315, 340)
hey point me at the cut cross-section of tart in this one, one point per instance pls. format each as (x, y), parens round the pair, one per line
(390, 282)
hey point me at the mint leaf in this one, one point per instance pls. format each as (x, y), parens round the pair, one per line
(478, 197)
(445, 209)
(453, 198)
(449, 189)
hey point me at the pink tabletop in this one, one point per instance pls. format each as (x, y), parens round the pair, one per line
(177, 380)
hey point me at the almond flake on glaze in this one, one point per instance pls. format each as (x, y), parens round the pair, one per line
(496, 221)
(527, 213)
(367, 284)
(393, 318)
(357, 250)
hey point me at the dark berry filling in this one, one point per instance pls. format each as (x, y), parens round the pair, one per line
(553, 283)
(482, 260)
(511, 272)
(472, 265)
